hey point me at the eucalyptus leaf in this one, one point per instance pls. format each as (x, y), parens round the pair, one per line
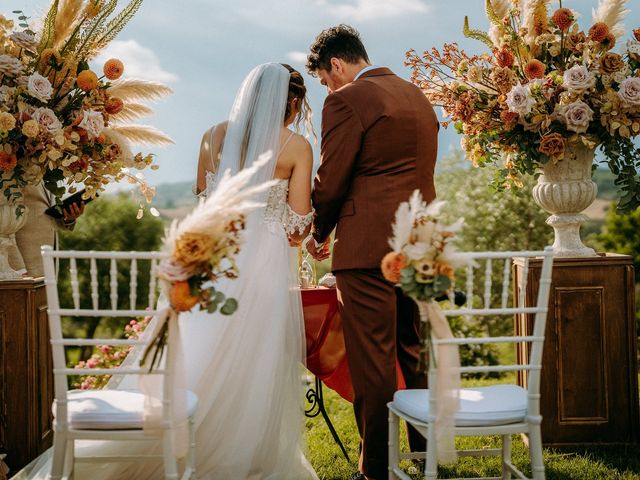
(229, 307)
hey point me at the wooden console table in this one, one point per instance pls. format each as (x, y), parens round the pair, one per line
(26, 380)
(590, 373)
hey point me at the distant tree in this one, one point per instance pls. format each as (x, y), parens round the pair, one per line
(109, 223)
(621, 234)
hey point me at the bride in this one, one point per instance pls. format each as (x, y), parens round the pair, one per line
(245, 368)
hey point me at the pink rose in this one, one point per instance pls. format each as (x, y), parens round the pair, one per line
(629, 91)
(47, 119)
(577, 116)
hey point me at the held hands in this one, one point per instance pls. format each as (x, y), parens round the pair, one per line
(319, 253)
(72, 213)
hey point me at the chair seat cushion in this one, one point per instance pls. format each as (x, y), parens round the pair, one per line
(111, 409)
(492, 405)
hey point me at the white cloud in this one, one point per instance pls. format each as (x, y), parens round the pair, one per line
(139, 62)
(369, 10)
(297, 57)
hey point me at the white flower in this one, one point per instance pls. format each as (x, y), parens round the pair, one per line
(40, 87)
(577, 116)
(519, 100)
(633, 49)
(415, 251)
(92, 122)
(47, 119)
(578, 79)
(10, 66)
(629, 91)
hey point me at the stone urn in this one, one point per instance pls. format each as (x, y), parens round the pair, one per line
(565, 189)
(10, 223)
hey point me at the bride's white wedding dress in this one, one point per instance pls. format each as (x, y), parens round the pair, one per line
(245, 368)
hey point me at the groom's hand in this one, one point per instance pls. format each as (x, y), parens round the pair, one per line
(320, 252)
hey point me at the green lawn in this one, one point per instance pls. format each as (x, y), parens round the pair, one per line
(588, 463)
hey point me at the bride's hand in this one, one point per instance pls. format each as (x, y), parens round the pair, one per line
(321, 253)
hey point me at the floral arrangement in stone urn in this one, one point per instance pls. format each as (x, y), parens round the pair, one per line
(545, 97)
(61, 123)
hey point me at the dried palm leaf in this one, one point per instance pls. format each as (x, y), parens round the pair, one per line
(535, 20)
(48, 26)
(132, 111)
(611, 12)
(66, 20)
(102, 38)
(496, 11)
(143, 135)
(132, 89)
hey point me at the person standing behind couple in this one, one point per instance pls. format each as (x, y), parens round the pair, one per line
(379, 144)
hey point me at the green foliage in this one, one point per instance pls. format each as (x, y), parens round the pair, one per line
(109, 223)
(621, 234)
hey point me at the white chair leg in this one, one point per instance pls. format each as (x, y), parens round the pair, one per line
(190, 470)
(59, 453)
(394, 444)
(535, 451)
(170, 464)
(506, 456)
(431, 468)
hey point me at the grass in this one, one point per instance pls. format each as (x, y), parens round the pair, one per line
(589, 463)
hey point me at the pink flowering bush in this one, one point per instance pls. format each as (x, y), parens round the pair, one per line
(108, 356)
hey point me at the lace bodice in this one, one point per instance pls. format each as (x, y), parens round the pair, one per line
(278, 210)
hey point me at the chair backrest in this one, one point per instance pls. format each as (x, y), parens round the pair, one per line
(506, 297)
(115, 275)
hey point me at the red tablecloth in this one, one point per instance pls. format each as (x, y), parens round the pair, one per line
(326, 354)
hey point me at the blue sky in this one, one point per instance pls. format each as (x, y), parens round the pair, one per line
(204, 48)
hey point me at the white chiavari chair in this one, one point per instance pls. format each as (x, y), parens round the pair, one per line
(501, 409)
(108, 414)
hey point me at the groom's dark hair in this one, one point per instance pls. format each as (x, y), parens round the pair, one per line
(342, 42)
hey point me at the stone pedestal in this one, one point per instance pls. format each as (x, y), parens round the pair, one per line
(590, 372)
(26, 378)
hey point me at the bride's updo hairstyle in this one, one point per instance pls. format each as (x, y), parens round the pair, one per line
(298, 90)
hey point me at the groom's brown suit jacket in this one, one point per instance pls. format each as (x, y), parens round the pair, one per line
(379, 143)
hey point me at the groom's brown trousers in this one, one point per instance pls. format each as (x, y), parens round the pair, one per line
(380, 324)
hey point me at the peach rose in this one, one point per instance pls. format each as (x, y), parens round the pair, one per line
(552, 145)
(87, 80)
(181, 298)
(611, 63)
(636, 34)
(392, 264)
(503, 78)
(113, 69)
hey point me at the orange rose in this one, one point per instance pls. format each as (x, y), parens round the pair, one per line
(113, 69)
(563, 18)
(8, 161)
(391, 265)
(552, 145)
(636, 34)
(598, 31)
(113, 105)
(87, 80)
(534, 69)
(611, 63)
(504, 57)
(181, 298)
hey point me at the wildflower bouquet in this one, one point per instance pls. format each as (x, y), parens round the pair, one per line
(545, 86)
(202, 247)
(60, 122)
(423, 257)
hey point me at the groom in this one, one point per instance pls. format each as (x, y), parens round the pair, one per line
(379, 143)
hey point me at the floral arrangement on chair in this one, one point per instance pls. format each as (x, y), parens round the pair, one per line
(202, 246)
(545, 85)
(423, 256)
(61, 122)
(422, 264)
